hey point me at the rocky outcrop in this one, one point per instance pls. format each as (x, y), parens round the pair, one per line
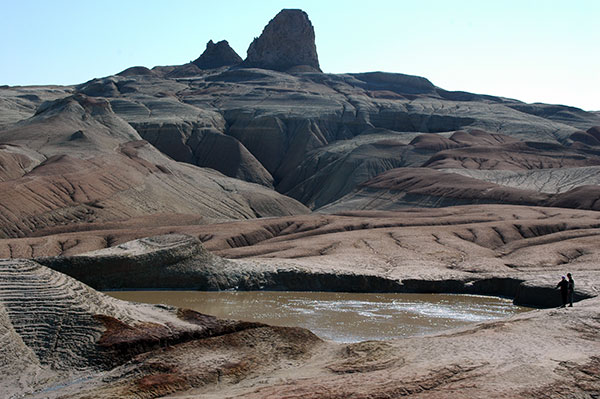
(332, 171)
(163, 262)
(287, 42)
(57, 332)
(61, 338)
(181, 71)
(408, 187)
(581, 197)
(398, 83)
(560, 113)
(180, 262)
(206, 147)
(17, 161)
(317, 137)
(251, 135)
(217, 55)
(19, 103)
(513, 156)
(513, 251)
(486, 250)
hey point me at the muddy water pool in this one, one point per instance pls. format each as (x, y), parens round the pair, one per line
(341, 317)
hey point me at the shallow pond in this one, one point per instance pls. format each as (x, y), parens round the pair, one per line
(342, 317)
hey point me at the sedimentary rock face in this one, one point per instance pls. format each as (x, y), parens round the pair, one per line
(287, 41)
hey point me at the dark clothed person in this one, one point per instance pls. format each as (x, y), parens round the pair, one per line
(564, 290)
(570, 289)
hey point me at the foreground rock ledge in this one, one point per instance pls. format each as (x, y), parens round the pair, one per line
(513, 251)
(61, 338)
(177, 261)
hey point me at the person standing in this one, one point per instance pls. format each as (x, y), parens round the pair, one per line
(570, 289)
(564, 290)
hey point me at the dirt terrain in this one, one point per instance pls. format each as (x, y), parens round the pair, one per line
(508, 250)
(266, 173)
(70, 341)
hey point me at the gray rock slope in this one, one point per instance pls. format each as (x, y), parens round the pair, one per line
(76, 161)
(316, 136)
(277, 129)
(56, 331)
(172, 261)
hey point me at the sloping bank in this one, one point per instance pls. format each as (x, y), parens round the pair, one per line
(180, 262)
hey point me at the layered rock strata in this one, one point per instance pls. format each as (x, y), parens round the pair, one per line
(88, 165)
(460, 251)
(171, 261)
(312, 136)
(56, 329)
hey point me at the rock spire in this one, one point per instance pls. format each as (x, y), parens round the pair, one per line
(217, 55)
(287, 42)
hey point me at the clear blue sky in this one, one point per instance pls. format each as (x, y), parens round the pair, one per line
(535, 51)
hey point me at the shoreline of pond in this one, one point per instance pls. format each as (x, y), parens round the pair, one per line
(340, 317)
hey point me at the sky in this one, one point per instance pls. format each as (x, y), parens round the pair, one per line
(531, 50)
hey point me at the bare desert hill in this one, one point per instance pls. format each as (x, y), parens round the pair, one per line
(313, 136)
(75, 161)
(276, 120)
(266, 173)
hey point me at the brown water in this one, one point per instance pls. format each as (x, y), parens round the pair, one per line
(342, 317)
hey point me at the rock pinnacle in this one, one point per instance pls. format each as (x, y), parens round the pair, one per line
(287, 42)
(217, 55)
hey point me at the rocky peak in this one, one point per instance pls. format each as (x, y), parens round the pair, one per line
(217, 55)
(288, 41)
